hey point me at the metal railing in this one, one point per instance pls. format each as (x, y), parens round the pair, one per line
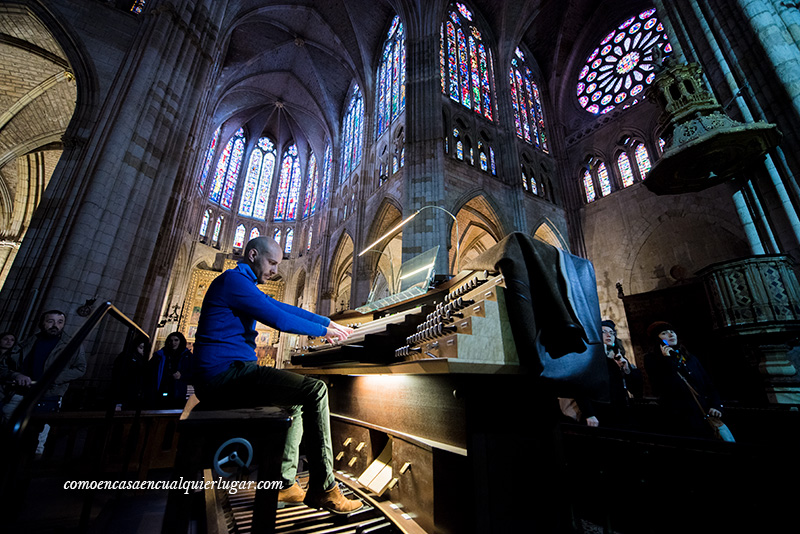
(11, 433)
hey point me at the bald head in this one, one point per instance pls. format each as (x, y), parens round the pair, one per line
(263, 255)
(262, 244)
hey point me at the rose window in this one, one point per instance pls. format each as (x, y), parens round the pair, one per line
(618, 70)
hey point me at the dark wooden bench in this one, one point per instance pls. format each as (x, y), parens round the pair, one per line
(201, 433)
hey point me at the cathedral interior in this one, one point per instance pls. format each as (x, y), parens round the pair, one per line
(658, 139)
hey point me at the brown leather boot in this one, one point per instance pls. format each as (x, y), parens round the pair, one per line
(332, 500)
(292, 495)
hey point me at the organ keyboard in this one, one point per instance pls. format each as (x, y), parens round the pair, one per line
(464, 319)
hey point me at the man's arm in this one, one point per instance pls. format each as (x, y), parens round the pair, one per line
(248, 298)
(76, 368)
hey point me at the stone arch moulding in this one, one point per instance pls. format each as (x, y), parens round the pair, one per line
(548, 232)
(684, 237)
(341, 261)
(85, 77)
(477, 218)
(387, 216)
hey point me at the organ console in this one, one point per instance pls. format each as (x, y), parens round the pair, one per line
(429, 380)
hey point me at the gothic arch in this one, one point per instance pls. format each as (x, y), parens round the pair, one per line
(682, 242)
(548, 233)
(341, 272)
(479, 227)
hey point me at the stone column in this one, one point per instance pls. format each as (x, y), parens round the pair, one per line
(423, 177)
(114, 193)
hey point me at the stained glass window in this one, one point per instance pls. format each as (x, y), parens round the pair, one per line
(588, 186)
(217, 229)
(624, 164)
(312, 188)
(254, 233)
(602, 177)
(212, 146)
(661, 144)
(391, 77)
(395, 164)
(287, 249)
(623, 65)
(204, 224)
(526, 103)
(138, 6)
(352, 133)
(310, 233)
(534, 187)
(276, 235)
(642, 160)
(465, 63)
(238, 237)
(491, 161)
(327, 172)
(255, 193)
(288, 186)
(524, 180)
(224, 183)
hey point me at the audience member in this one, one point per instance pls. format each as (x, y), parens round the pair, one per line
(624, 382)
(226, 371)
(28, 362)
(170, 369)
(7, 342)
(674, 372)
(127, 377)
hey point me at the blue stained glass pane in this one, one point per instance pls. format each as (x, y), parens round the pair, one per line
(289, 238)
(602, 177)
(212, 146)
(624, 164)
(285, 180)
(238, 238)
(310, 200)
(642, 160)
(352, 133)
(217, 229)
(251, 183)
(327, 171)
(294, 191)
(588, 186)
(204, 224)
(264, 184)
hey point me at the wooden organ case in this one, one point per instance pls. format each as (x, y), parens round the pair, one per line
(431, 411)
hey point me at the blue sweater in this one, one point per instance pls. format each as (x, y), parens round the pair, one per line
(226, 331)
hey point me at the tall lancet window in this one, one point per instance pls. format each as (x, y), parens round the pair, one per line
(212, 147)
(312, 188)
(288, 186)
(465, 63)
(391, 77)
(527, 103)
(352, 127)
(255, 193)
(238, 237)
(287, 249)
(224, 183)
(327, 173)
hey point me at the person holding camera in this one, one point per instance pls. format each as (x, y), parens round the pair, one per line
(624, 383)
(681, 383)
